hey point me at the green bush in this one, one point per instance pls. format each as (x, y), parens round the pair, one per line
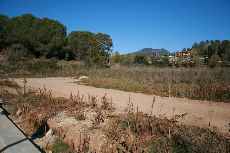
(140, 59)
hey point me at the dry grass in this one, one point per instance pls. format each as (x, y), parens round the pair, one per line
(197, 83)
(36, 107)
(99, 118)
(8, 83)
(130, 132)
(139, 132)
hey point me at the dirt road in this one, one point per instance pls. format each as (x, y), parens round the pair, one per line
(199, 113)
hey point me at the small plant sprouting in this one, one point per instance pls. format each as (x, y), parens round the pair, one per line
(106, 104)
(24, 86)
(80, 115)
(99, 118)
(84, 143)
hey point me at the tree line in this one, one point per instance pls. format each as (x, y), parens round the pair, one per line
(213, 48)
(209, 52)
(27, 36)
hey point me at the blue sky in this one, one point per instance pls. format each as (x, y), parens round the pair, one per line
(135, 24)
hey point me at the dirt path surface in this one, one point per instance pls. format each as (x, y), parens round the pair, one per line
(199, 113)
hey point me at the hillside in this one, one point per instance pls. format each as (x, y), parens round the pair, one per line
(150, 51)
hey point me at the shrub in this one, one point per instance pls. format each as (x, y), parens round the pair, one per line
(214, 60)
(140, 59)
(16, 52)
(60, 147)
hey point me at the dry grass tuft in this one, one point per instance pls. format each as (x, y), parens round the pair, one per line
(84, 143)
(99, 118)
(106, 103)
(139, 132)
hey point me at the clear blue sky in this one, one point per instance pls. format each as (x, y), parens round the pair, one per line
(135, 24)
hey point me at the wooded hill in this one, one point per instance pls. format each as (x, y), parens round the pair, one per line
(29, 36)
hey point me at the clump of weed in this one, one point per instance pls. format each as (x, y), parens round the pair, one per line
(80, 115)
(106, 103)
(136, 131)
(84, 143)
(93, 101)
(99, 117)
(60, 147)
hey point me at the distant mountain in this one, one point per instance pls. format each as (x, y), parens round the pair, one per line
(150, 51)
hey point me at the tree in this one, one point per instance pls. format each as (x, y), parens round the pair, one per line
(104, 41)
(44, 37)
(21, 31)
(90, 47)
(140, 59)
(16, 52)
(81, 43)
(127, 59)
(195, 45)
(116, 58)
(4, 21)
(39, 36)
(213, 60)
(213, 47)
(184, 49)
(226, 50)
(51, 34)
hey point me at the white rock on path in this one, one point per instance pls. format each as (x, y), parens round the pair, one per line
(83, 78)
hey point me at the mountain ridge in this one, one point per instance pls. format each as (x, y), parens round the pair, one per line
(150, 51)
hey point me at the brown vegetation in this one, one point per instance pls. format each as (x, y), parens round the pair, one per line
(196, 83)
(8, 83)
(133, 131)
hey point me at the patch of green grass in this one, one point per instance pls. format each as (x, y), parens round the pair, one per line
(60, 147)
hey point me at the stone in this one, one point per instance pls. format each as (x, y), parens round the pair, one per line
(19, 112)
(81, 78)
(47, 141)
